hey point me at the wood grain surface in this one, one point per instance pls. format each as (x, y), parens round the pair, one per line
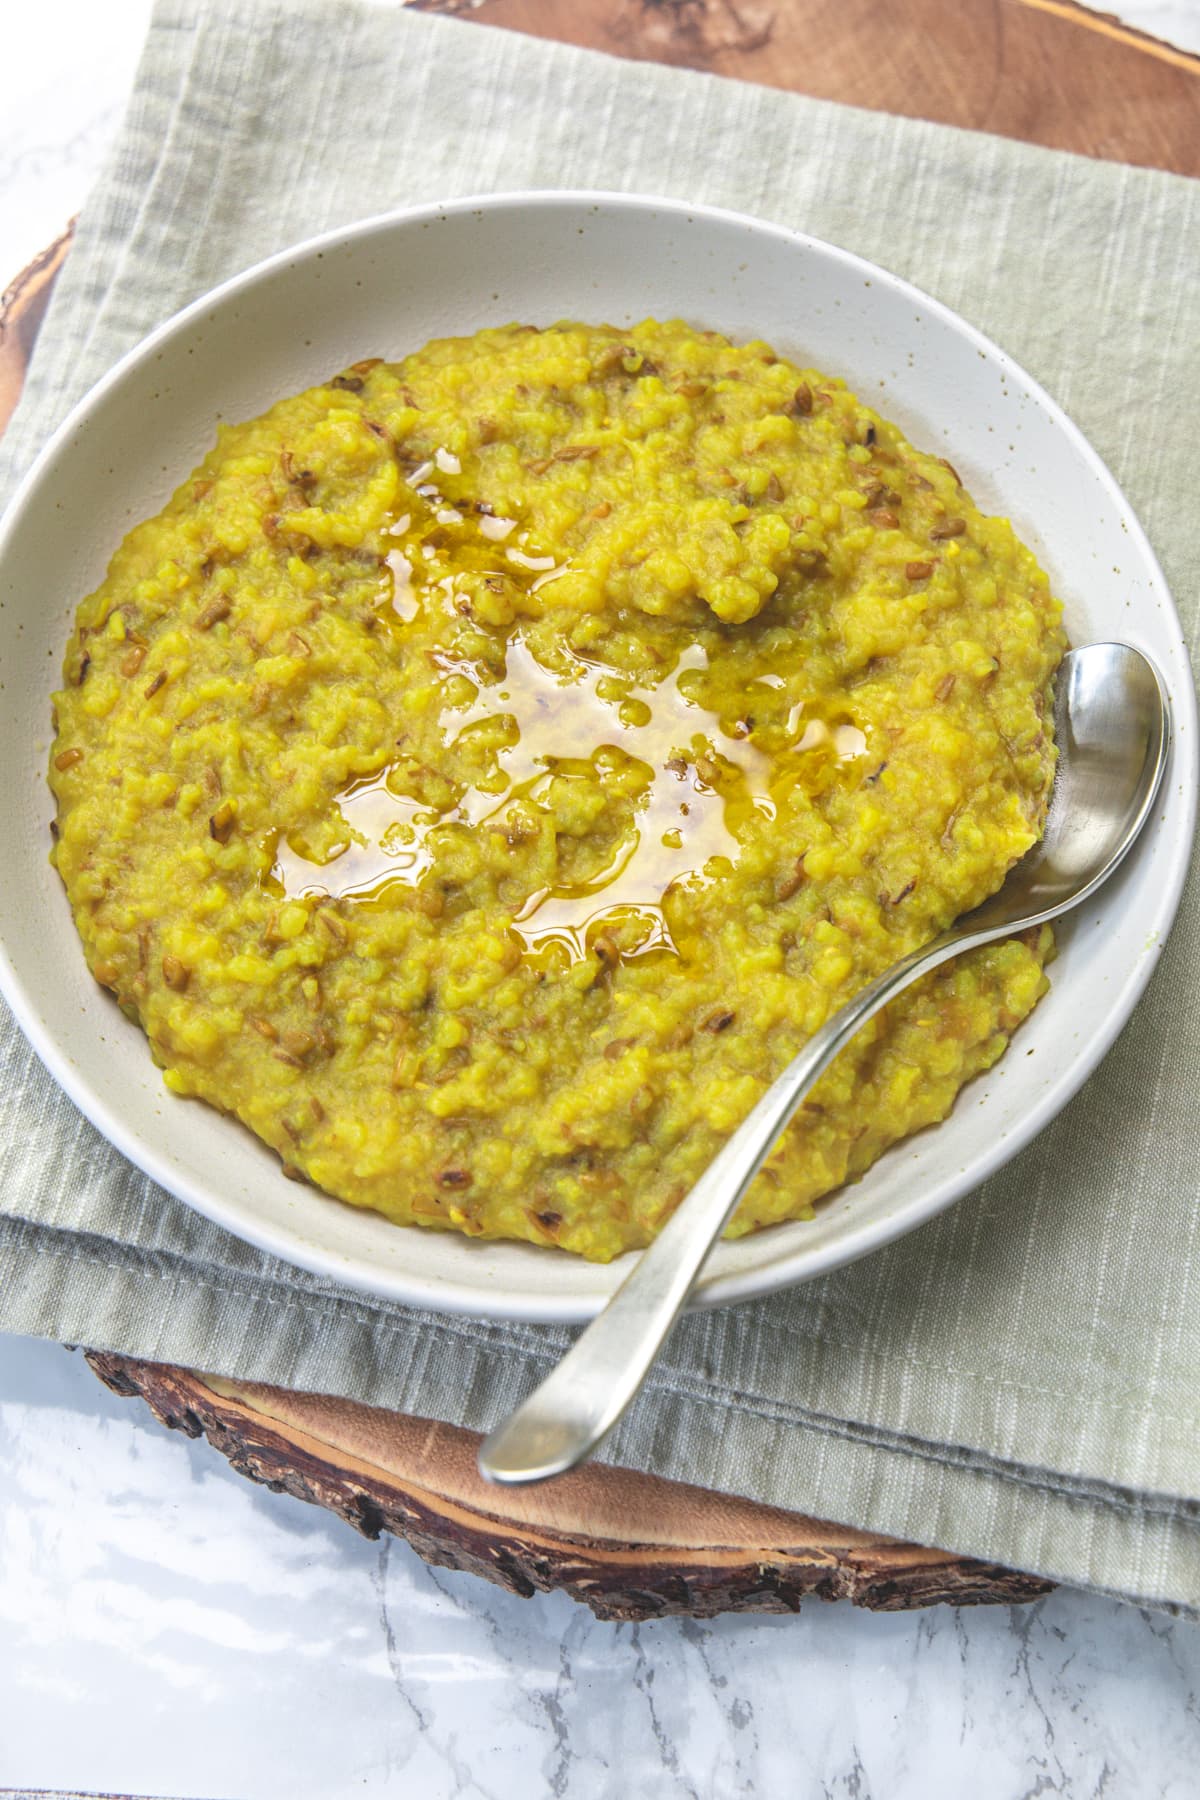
(631, 1545)
(22, 308)
(1045, 71)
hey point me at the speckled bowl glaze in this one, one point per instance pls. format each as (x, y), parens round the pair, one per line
(382, 288)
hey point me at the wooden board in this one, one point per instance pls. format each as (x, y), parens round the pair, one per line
(629, 1545)
(1045, 71)
(22, 308)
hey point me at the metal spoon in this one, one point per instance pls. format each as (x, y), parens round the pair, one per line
(1112, 725)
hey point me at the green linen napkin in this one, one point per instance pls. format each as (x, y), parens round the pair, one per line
(1019, 1379)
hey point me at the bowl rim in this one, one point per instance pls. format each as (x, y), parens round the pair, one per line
(459, 1296)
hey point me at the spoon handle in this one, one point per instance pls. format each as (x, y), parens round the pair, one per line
(580, 1401)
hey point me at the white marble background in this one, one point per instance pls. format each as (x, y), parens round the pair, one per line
(168, 1629)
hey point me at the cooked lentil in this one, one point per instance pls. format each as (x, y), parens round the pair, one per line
(489, 769)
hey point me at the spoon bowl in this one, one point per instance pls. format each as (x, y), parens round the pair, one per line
(1111, 722)
(1112, 729)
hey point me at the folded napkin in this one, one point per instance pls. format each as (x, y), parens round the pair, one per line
(1020, 1379)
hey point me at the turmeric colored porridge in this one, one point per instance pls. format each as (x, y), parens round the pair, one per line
(489, 769)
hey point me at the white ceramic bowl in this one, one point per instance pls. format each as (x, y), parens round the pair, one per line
(382, 288)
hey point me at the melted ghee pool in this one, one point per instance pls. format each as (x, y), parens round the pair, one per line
(490, 768)
(553, 725)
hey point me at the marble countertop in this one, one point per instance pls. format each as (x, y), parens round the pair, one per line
(170, 1629)
(207, 1638)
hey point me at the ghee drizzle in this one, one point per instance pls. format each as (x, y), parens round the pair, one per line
(700, 776)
